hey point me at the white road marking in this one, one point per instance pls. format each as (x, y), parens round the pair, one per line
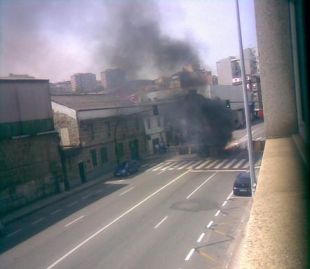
(230, 163)
(200, 237)
(229, 196)
(211, 164)
(210, 224)
(159, 223)
(224, 203)
(75, 220)
(72, 204)
(220, 164)
(200, 185)
(167, 167)
(246, 165)
(217, 171)
(131, 188)
(217, 213)
(160, 172)
(13, 233)
(37, 221)
(203, 164)
(113, 221)
(180, 164)
(187, 164)
(161, 166)
(194, 164)
(238, 164)
(189, 255)
(56, 211)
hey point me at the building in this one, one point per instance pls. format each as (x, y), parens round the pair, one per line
(83, 82)
(29, 159)
(154, 129)
(228, 71)
(97, 132)
(277, 233)
(61, 87)
(250, 61)
(233, 96)
(112, 79)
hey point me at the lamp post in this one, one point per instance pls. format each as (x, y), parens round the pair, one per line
(245, 100)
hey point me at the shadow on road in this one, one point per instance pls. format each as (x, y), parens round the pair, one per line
(30, 225)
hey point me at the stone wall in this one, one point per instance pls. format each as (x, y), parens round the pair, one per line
(29, 169)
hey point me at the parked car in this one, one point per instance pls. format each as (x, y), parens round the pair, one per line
(242, 184)
(127, 168)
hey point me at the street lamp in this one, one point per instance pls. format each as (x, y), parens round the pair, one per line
(245, 100)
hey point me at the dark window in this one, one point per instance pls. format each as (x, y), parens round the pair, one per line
(155, 110)
(92, 133)
(93, 154)
(158, 121)
(137, 124)
(108, 128)
(104, 155)
(120, 149)
(148, 121)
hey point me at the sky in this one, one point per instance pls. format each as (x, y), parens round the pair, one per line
(54, 39)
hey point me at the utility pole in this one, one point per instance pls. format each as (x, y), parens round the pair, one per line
(246, 103)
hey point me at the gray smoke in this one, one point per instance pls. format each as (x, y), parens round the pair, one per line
(41, 38)
(137, 44)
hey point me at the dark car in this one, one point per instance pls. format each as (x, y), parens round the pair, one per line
(126, 168)
(242, 184)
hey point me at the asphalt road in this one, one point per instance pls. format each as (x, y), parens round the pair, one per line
(151, 220)
(177, 213)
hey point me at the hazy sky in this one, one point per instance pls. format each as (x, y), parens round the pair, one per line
(55, 38)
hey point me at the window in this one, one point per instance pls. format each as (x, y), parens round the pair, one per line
(108, 125)
(148, 122)
(91, 130)
(155, 110)
(93, 154)
(137, 123)
(158, 121)
(104, 155)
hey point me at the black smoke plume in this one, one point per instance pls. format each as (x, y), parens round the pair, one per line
(197, 120)
(136, 43)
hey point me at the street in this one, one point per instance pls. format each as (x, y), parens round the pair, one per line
(175, 213)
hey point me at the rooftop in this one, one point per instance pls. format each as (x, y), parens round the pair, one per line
(91, 102)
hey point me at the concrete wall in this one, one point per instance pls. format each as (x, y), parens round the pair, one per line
(24, 100)
(276, 67)
(224, 72)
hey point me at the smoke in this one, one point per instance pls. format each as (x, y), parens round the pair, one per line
(201, 121)
(55, 38)
(137, 44)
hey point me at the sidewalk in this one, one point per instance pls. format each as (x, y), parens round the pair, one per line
(28, 209)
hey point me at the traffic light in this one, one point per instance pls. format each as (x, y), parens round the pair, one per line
(227, 103)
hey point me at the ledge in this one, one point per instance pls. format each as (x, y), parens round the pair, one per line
(277, 233)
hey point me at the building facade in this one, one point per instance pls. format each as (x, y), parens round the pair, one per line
(96, 134)
(113, 79)
(228, 71)
(83, 82)
(29, 159)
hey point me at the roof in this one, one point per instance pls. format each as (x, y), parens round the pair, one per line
(91, 102)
